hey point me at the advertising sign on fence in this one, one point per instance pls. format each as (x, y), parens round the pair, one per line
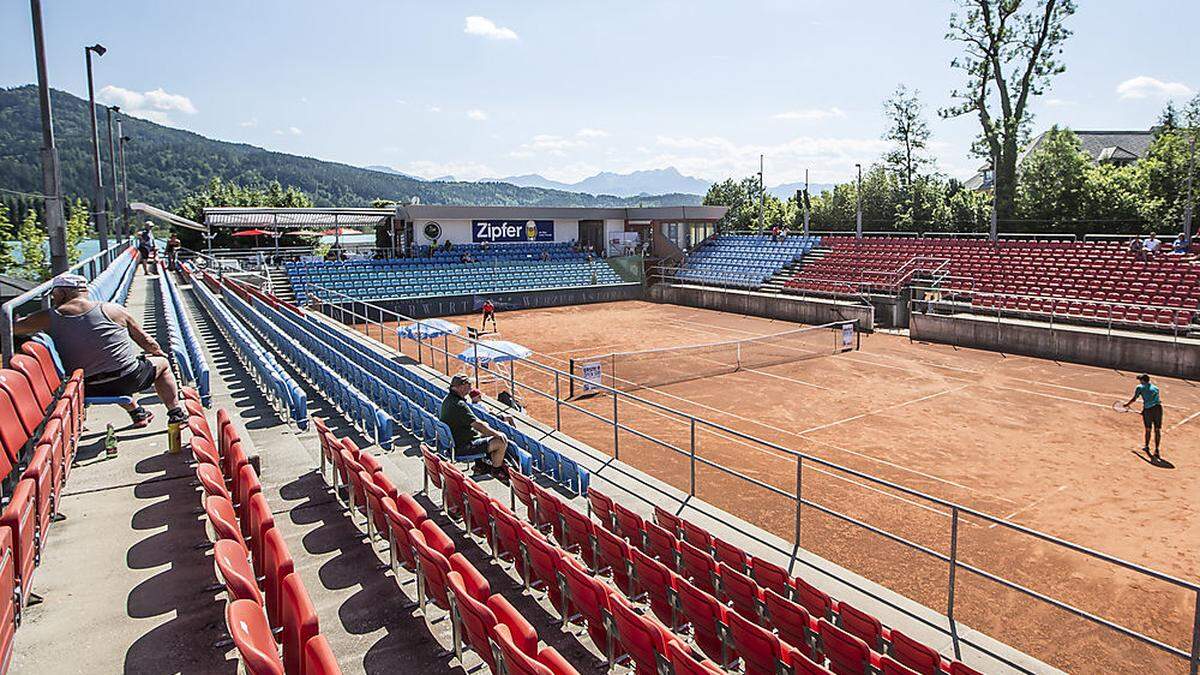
(591, 375)
(508, 231)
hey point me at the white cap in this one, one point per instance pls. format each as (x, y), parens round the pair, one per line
(68, 280)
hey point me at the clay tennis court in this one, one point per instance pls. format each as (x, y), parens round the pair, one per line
(1028, 440)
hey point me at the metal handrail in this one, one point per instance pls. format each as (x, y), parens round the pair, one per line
(89, 268)
(956, 510)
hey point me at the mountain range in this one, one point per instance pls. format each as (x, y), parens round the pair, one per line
(165, 164)
(634, 184)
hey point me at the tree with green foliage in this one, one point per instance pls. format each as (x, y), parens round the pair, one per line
(1051, 188)
(227, 193)
(35, 264)
(909, 132)
(6, 234)
(78, 229)
(1011, 51)
(742, 197)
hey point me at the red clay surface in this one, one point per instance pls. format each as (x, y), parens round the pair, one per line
(1032, 441)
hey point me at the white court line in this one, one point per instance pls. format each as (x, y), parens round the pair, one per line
(583, 350)
(1184, 421)
(884, 409)
(1031, 504)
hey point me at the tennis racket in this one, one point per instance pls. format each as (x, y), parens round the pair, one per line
(1121, 407)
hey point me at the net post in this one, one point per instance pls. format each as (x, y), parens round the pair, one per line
(571, 383)
(950, 585)
(799, 496)
(446, 350)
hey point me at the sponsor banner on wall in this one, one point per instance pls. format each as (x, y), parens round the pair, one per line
(502, 231)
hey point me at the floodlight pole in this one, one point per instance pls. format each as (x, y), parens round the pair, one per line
(122, 139)
(51, 175)
(97, 177)
(761, 194)
(1190, 206)
(118, 230)
(806, 202)
(858, 210)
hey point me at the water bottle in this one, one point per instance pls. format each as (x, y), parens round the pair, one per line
(110, 441)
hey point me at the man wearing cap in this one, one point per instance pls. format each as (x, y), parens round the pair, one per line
(99, 338)
(1152, 412)
(146, 246)
(472, 435)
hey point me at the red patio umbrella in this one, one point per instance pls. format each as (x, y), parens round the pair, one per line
(338, 231)
(251, 233)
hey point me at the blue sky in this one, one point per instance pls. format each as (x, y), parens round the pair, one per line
(566, 89)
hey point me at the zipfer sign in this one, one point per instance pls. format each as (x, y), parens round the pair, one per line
(506, 231)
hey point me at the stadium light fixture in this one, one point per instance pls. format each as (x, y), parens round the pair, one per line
(97, 206)
(51, 175)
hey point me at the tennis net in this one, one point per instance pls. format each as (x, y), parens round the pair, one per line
(628, 371)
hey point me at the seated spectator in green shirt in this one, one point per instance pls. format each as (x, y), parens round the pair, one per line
(472, 435)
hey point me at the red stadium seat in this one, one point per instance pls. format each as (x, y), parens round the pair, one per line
(697, 536)
(508, 528)
(433, 469)
(959, 668)
(770, 575)
(861, 625)
(13, 436)
(542, 561)
(589, 597)
(402, 554)
(453, 499)
(668, 521)
(252, 636)
(601, 506)
(8, 586)
(731, 555)
(29, 413)
(248, 485)
(205, 454)
(915, 655)
(41, 474)
(546, 509)
(521, 490)
(28, 366)
(847, 654)
(740, 591)
(277, 565)
(630, 526)
(759, 648)
(433, 569)
(889, 667)
(578, 534)
(319, 659)
(376, 520)
(642, 638)
(222, 520)
(657, 583)
(299, 623)
(612, 554)
(791, 621)
(709, 622)
(517, 662)
(662, 545)
(801, 664)
(260, 520)
(478, 520)
(20, 517)
(233, 568)
(481, 616)
(683, 662)
(817, 602)
(435, 538)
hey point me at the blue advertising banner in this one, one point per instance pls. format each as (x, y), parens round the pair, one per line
(506, 231)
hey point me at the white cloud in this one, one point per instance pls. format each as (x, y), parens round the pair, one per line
(477, 115)
(810, 114)
(294, 131)
(485, 27)
(435, 109)
(588, 132)
(304, 99)
(1144, 86)
(290, 131)
(250, 123)
(155, 105)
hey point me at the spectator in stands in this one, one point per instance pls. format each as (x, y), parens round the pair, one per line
(1152, 413)
(775, 233)
(99, 338)
(507, 400)
(1181, 244)
(472, 435)
(545, 255)
(485, 246)
(172, 251)
(1137, 248)
(1151, 244)
(447, 246)
(146, 247)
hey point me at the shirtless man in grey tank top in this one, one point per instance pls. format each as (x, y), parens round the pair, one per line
(99, 338)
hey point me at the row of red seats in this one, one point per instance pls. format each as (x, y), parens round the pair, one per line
(446, 580)
(718, 585)
(41, 419)
(265, 595)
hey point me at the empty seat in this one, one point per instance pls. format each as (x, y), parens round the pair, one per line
(252, 636)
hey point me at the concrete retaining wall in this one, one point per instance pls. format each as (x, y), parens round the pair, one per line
(1159, 355)
(767, 305)
(423, 308)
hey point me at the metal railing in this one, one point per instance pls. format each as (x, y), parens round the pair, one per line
(933, 299)
(89, 268)
(381, 322)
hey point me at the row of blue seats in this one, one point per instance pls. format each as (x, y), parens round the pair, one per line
(724, 278)
(285, 395)
(415, 402)
(113, 284)
(185, 348)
